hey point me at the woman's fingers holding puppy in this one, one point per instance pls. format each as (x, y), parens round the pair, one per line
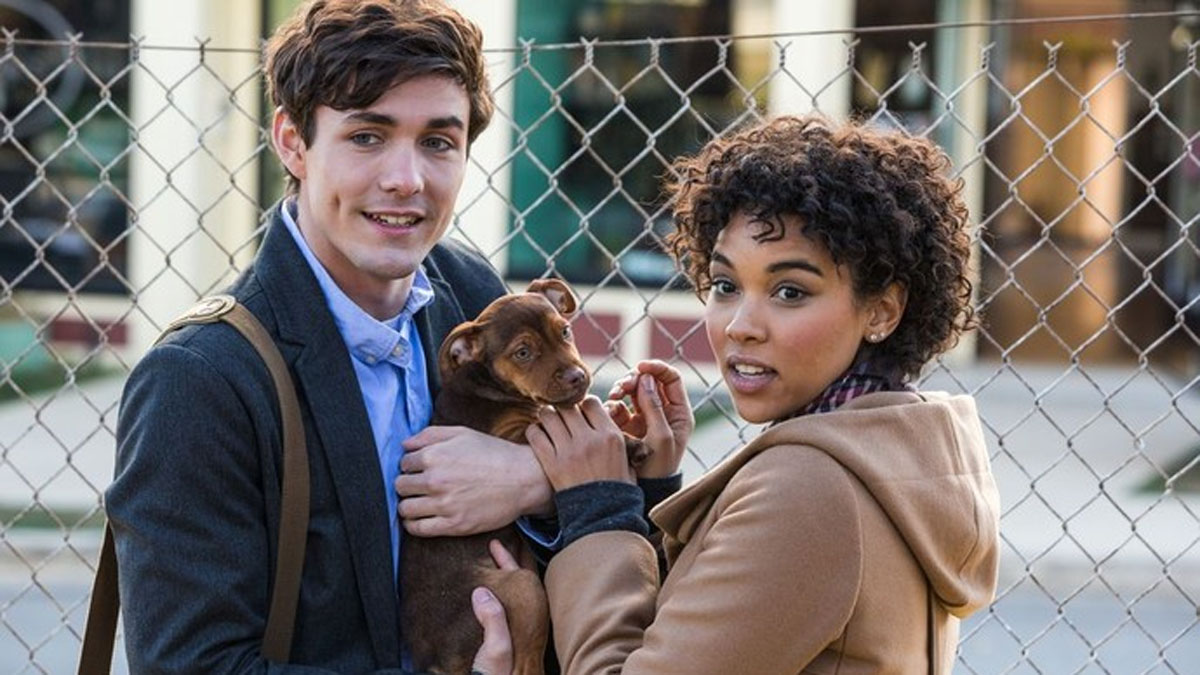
(579, 445)
(670, 382)
(551, 420)
(662, 402)
(650, 405)
(624, 386)
(627, 384)
(574, 418)
(661, 370)
(596, 415)
(541, 444)
(619, 413)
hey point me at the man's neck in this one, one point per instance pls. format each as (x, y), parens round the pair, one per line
(382, 298)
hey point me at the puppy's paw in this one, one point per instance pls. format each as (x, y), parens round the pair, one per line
(637, 451)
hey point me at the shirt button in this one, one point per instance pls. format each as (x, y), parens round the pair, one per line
(370, 360)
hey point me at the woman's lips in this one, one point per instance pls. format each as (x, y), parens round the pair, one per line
(748, 378)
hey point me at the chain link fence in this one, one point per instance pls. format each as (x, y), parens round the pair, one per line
(133, 179)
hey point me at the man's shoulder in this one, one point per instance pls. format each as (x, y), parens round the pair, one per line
(213, 341)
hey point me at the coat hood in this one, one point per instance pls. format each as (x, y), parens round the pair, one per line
(921, 456)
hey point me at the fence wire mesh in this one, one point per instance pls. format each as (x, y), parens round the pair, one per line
(133, 182)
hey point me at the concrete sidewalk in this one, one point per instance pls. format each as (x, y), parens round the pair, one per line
(58, 448)
(1073, 454)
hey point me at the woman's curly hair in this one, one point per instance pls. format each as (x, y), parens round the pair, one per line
(880, 201)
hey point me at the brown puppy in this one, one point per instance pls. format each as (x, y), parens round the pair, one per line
(497, 371)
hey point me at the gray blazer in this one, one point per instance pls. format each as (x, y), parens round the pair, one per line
(194, 505)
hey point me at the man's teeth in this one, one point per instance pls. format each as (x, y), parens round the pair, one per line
(394, 221)
(743, 369)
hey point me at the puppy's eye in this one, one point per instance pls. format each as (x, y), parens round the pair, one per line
(567, 333)
(523, 354)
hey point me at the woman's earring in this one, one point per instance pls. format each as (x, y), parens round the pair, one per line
(874, 337)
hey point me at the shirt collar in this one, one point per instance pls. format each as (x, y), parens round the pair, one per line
(368, 339)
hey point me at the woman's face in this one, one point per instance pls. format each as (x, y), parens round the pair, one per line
(782, 318)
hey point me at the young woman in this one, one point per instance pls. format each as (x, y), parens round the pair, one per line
(854, 533)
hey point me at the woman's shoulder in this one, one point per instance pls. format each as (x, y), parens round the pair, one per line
(789, 457)
(773, 491)
(793, 473)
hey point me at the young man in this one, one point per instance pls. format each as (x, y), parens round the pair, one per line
(377, 102)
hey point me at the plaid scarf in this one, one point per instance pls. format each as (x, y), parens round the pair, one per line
(860, 379)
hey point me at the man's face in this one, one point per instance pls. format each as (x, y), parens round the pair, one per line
(378, 184)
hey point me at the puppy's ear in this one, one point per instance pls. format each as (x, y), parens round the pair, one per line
(463, 344)
(557, 292)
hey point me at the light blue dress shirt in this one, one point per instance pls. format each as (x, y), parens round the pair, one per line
(390, 364)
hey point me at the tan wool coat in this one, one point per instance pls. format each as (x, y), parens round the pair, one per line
(832, 543)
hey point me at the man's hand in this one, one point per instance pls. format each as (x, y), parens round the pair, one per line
(457, 481)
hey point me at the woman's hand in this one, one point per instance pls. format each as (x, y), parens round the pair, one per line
(495, 654)
(579, 444)
(662, 415)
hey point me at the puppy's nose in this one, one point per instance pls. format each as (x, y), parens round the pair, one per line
(573, 376)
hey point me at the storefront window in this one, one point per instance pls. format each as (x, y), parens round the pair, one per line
(594, 139)
(64, 146)
(888, 76)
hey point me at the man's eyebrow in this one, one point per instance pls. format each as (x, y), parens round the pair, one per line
(381, 119)
(447, 122)
(372, 118)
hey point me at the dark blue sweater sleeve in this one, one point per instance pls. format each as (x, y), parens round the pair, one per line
(600, 506)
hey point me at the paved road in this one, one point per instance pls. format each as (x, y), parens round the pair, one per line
(1025, 619)
(1023, 633)
(33, 637)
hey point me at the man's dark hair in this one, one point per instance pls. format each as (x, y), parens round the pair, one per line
(346, 54)
(880, 201)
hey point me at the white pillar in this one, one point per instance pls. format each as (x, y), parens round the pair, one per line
(482, 208)
(194, 174)
(959, 54)
(816, 62)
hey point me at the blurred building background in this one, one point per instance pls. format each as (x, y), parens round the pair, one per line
(1075, 229)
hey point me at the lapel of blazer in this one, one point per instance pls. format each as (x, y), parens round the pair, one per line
(325, 378)
(434, 323)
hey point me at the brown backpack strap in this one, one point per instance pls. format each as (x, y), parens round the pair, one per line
(96, 655)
